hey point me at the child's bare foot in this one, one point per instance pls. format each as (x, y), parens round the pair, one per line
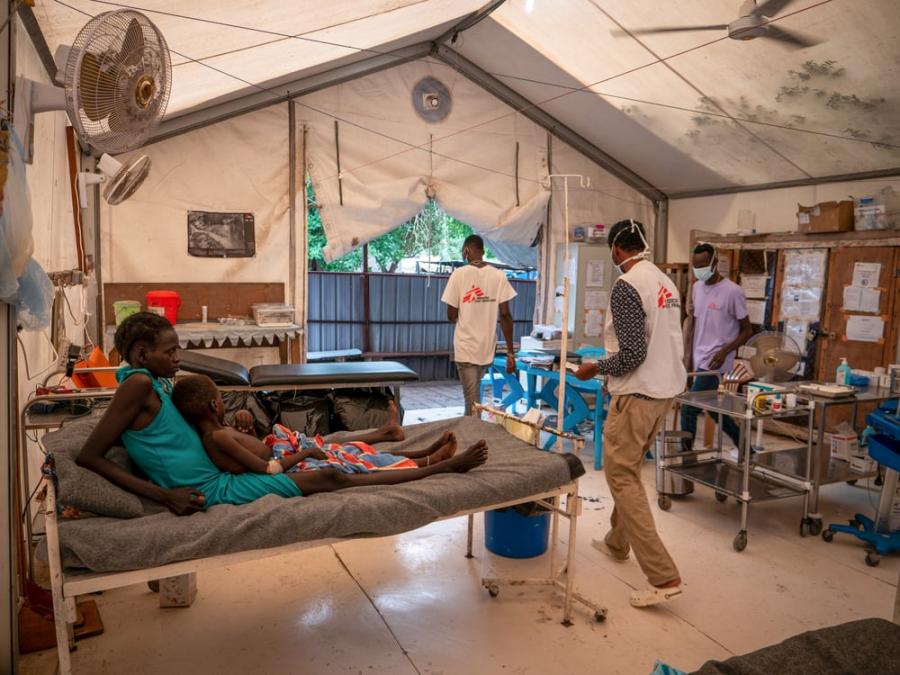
(445, 438)
(475, 456)
(446, 451)
(391, 430)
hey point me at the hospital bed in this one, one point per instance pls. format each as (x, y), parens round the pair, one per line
(98, 553)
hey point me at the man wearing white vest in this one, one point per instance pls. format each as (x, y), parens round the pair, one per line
(644, 371)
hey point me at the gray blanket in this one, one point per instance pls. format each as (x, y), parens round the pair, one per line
(514, 470)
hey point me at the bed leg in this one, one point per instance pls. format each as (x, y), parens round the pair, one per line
(572, 507)
(63, 608)
(469, 535)
(554, 538)
(178, 591)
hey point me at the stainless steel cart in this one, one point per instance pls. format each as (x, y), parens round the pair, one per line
(742, 477)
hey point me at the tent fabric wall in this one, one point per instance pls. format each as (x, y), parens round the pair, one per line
(383, 181)
(239, 165)
(605, 200)
(53, 234)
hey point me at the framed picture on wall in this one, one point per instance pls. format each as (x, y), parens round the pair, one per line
(221, 235)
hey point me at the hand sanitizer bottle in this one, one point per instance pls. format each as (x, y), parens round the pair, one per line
(843, 372)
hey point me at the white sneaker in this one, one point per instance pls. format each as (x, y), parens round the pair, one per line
(652, 595)
(601, 546)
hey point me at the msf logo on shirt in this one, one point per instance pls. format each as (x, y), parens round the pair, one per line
(475, 294)
(665, 300)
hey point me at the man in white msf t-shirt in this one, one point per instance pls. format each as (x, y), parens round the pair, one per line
(476, 293)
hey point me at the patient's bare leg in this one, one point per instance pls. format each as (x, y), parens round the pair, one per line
(446, 438)
(389, 431)
(329, 480)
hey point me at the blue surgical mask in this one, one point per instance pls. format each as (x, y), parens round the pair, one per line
(703, 273)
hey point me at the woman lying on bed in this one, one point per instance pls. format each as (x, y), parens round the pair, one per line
(171, 454)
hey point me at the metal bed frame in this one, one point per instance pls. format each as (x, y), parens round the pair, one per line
(66, 587)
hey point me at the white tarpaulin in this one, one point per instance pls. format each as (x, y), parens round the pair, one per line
(237, 166)
(389, 156)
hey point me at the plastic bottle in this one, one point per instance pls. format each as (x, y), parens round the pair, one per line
(843, 372)
(777, 404)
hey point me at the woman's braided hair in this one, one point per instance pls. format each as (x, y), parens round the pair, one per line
(143, 326)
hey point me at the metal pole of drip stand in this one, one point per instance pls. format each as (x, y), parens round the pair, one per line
(584, 182)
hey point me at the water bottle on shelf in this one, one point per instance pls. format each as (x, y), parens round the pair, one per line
(843, 372)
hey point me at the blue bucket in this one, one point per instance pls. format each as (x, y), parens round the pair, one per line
(514, 535)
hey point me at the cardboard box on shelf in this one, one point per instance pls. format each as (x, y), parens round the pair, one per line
(844, 442)
(826, 217)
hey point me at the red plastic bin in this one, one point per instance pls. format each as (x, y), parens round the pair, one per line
(165, 303)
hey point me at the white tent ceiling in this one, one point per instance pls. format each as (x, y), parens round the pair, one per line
(687, 112)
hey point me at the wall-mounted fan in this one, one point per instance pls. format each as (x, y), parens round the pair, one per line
(120, 180)
(753, 23)
(431, 99)
(115, 78)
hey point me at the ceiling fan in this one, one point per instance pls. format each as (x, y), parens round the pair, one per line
(754, 22)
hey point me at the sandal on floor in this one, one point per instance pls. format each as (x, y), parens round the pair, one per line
(652, 595)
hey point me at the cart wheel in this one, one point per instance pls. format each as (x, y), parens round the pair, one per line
(872, 559)
(665, 502)
(493, 590)
(740, 541)
(804, 527)
(815, 526)
(828, 535)
(851, 482)
(600, 617)
(153, 585)
(721, 497)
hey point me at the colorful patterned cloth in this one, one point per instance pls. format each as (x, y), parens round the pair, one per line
(354, 457)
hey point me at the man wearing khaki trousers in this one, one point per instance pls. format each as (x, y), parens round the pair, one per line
(644, 371)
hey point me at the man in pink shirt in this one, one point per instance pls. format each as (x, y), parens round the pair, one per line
(721, 325)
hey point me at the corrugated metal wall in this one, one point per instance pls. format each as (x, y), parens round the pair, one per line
(407, 320)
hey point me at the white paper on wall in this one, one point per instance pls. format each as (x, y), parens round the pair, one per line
(866, 274)
(754, 285)
(865, 328)
(593, 323)
(595, 274)
(596, 300)
(756, 311)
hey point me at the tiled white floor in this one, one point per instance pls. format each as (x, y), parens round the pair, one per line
(413, 604)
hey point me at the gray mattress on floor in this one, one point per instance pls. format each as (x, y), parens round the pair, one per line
(514, 470)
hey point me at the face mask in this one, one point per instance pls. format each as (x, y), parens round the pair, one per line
(703, 273)
(643, 255)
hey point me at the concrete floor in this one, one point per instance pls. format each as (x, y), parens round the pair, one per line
(413, 604)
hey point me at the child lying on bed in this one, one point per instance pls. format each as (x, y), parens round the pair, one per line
(198, 400)
(170, 453)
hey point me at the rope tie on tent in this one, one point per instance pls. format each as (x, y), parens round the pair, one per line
(337, 152)
(430, 193)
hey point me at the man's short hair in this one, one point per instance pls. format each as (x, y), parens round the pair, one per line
(474, 241)
(192, 396)
(624, 234)
(705, 248)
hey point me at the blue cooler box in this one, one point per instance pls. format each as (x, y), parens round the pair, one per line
(514, 535)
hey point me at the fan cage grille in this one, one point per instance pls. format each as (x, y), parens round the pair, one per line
(117, 80)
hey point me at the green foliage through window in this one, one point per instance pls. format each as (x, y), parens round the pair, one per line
(431, 230)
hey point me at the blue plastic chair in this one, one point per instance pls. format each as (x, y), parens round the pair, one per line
(498, 379)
